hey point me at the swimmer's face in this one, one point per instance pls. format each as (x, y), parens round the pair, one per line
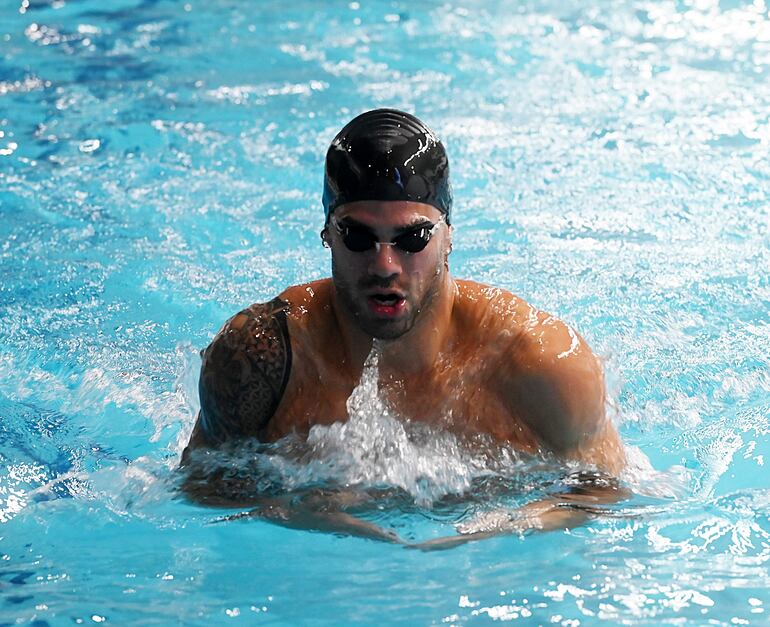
(385, 287)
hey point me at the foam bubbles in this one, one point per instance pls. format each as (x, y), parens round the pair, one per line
(376, 447)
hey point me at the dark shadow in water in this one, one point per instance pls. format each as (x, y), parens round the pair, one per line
(12, 590)
(48, 439)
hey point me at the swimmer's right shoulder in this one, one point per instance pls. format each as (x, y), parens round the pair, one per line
(307, 297)
(244, 374)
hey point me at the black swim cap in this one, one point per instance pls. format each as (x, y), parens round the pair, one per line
(387, 154)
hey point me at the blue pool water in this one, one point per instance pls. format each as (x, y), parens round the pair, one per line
(160, 168)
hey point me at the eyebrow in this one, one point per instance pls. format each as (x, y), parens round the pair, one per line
(399, 230)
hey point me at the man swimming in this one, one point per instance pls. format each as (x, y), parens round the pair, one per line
(456, 354)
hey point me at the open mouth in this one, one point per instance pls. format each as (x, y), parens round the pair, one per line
(388, 304)
(387, 299)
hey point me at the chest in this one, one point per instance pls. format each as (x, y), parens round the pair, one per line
(458, 395)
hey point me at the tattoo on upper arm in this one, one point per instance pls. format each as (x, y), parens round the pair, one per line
(244, 373)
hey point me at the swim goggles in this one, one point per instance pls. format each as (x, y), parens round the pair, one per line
(359, 239)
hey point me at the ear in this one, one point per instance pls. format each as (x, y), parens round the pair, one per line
(448, 247)
(325, 238)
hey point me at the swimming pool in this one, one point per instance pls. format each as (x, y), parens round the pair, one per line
(160, 168)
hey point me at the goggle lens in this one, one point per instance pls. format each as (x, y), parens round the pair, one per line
(360, 240)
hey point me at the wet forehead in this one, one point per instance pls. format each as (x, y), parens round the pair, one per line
(387, 214)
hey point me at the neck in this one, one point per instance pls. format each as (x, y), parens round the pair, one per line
(413, 352)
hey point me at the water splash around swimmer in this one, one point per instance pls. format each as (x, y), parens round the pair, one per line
(376, 447)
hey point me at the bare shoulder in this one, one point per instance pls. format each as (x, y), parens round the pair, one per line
(307, 297)
(310, 319)
(529, 340)
(548, 375)
(498, 312)
(243, 374)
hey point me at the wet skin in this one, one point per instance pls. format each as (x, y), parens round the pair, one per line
(463, 356)
(470, 358)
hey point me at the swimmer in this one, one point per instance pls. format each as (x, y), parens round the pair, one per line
(456, 354)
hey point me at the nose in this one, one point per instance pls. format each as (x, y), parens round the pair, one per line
(385, 262)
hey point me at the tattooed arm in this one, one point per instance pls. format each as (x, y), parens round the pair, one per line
(244, 373)
(243, 376)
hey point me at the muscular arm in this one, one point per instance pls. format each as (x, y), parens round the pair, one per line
(243, 376)
(555, 385)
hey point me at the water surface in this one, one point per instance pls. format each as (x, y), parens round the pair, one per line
(161, 168)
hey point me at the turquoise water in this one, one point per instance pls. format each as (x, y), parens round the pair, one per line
(161, 168)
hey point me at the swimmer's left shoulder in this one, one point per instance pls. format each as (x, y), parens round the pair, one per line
(545, 369)
(486, 296)
(540, 334)
(492, 309)
(546, 373)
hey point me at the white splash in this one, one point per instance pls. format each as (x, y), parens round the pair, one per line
(640, 475)
(376, 447)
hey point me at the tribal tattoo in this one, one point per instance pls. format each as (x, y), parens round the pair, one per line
(244, 373)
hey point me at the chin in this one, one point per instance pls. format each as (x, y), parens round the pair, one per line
(386, 329)
(388, 334)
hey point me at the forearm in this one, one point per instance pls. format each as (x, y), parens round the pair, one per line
(293, 515)
(565, 509)
(310, 510)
